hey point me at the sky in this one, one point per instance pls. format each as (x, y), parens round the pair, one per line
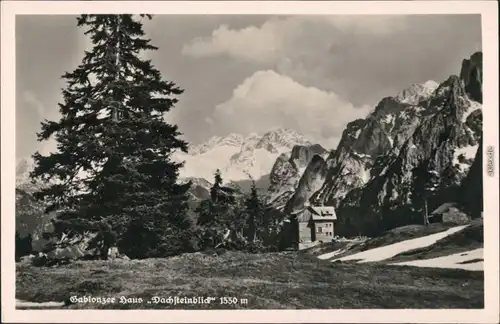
(250, 73)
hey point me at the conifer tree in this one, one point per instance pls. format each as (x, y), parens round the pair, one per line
(215, 190)
(208, 208)
(113, 163)
(254, 215)
(218, 214)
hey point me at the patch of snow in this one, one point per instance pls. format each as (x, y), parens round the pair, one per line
(205, 164)
(463, 167)
(430, 86)
(330, 255)
(473, 106)
(417, 92)
(453, 261)
(360, 155)
(390, 140)
(469, 152)
(391, 250)
(306, 245)
(27, 304)
(357, 133)
(364, 174)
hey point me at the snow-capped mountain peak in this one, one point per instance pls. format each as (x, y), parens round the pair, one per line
(232, 139)
(239, 157)
(417, 92)
(283, 137)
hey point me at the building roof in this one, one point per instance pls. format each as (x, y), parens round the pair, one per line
(322, 213)
(444, 208)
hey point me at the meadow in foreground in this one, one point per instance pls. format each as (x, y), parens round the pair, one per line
(286, 280)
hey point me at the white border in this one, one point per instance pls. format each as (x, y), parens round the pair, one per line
(489, 12)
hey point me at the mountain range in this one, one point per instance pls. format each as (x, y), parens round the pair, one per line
(241, 159)
(376, 174)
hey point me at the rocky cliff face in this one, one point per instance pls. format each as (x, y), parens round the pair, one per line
(444, 143)
(311, 181)
(383, 163)
(287, 171)
(471, 189)
(368, 144)
(472, 75)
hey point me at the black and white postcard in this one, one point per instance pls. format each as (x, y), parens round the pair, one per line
(250, 161)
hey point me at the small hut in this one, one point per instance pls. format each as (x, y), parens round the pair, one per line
(448, 213)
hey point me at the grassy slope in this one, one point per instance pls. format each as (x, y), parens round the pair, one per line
(269, 281)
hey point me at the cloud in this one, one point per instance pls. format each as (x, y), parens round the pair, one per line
(277, 37)
(254, 44)
(268, 100)
(375, 25)
(360, 57)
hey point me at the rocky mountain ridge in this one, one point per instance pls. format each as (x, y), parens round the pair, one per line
(382, 161)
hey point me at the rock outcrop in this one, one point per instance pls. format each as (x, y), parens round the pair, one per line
(288, 170)
(472, 75)
(311, 181)
(442, 143)
(383, 164)
(471, 189)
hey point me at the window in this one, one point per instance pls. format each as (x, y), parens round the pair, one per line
(320, 229)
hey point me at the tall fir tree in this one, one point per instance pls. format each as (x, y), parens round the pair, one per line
(254, 213)
(113, 166)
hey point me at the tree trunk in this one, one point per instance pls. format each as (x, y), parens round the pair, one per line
(426, 214)
(117, 66)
